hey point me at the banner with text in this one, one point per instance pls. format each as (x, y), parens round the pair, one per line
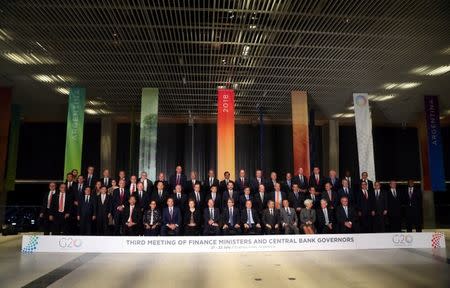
(206, 244)
(225, 132)
(435, 153)
(149, 131)
(75, 125)
(300, 131)
(363, 122)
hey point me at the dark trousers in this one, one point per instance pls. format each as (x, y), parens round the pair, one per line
(379, 223)
(211, 230)
(395, 223)
(86, 225)
(102, 225)
(231, 230)
(365, 223)
(60, 224)
(413, 219)
(191, 230)
(45, 224)
(252, 230)
(130, 231)
(271, 231)
(118, 227)
(152, 232)
(325, 230)
(165, 231)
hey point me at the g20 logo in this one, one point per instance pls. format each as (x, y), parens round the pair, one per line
(402, 239)
(70, 242)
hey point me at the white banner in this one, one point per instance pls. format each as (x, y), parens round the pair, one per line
(208, 244)
(363, 122)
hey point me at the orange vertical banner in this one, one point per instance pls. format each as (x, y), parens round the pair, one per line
(225, 132)
(300, 131)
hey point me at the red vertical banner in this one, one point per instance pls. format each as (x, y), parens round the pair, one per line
(300, 131)
(225, 132)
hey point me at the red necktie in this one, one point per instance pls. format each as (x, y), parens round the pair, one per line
(61, 203)
(178, 179)
(130, 219)
(121, 195)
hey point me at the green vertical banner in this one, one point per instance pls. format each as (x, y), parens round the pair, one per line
(149, 127)
(75, 125)
(13, 146)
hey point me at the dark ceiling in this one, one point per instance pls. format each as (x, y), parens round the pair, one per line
(263, 49)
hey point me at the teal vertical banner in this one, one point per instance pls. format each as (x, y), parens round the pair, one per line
(149, 127)
(13, 145)
(75, 125)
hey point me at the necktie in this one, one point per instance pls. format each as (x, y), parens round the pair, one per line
(262, 197)
(230, 220)
(61, 203)
(160, 193)
(277, 200)
(130, 219)
(151, 218)
(106, 181)
(178, 179)
(346, 190)
(377, 194)
(313, 197)
(49, 201)
(365, 194)
(296, 195)
(80, 188)
(410, 192)
(197, 197)
(346, 212)
(132, 188)
(211, 212)
(121, 195)
(140, 194)
(242, 182)
(178, 196)
(317, 179)
(103, 198)
(89, 180)
(325, 213)
(287, 211)
(171, 213)
(231, 193)
(301, 179)
(249, 216)
(329, 195)
(213, 196)
(86, 199)
(210, 181)
(271, 212)
(145, 185)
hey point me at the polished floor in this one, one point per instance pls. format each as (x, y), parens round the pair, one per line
(368, 268)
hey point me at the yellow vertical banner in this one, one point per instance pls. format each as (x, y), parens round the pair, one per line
(225, 132)
(300, 131)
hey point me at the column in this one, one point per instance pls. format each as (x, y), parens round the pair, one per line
(333, 145)
(225, 133)
(108, 140)
(300, 131)
(5, 116)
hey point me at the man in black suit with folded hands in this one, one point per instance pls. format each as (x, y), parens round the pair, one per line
(325, 218)
(366, 208)
(413, 208)
(60, 210)
(87, 212)
(171, 220)
(211, 216)
(346, 218)
(104, 211)
(211, 181)
(231, 219)
(120, 200)
(301, 180)
(131, 217)
(250, 220)
(380, 208)
(271, 219)
(177, 179)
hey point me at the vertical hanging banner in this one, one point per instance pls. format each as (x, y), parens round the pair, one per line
(13, 147)
(149, 132)
(364, 138)
(225, 132)
(435, 154)
(75, 125)
(300, 131)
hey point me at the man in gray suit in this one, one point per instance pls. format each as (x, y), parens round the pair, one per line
(288, 218)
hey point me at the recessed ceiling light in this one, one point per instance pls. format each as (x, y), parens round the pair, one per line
(4, 35)
(245, 51)
(380, 98)
(351, 108)
(22, 58)
(252, 26)
(62, 90)
(404, 85)
(52, 78)
(431, 71)
(90, 111)
(348, 115)
(337, 115)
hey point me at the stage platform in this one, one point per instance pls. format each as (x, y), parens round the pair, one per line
(402, 267)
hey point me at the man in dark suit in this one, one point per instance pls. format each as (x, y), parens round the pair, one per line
(316, 180)
(365, 179)
(271, 219)
(106, 179)
(301, 180)
(287, 184)
(46, 224)
(260, 199)
(215, 196)
(288, 219)
(325, 218)
(198, 196)
(314, 196)
(330, 196)
(224, 183)
(87, 212)
(90, 178)
(120, 200)
(123, 176)
(132, 217)
(147, 184)
(160, 196)
(142, 198)
(250, 220)
(347, 191)
(242, 182)
(78, 190)
(346, 217)
(60, 209)
(278, 196)
(394, 208)
(350, 180)
(413, 208)
(335, 182)
(380, 208)
(171, 220)
(231, 219)
(211, 181)
(70, 184)
(177, 179)
(244, 198)
(296, 198)
(180, 199)
(229, 193)
(190, 184)
(211, 216)
(270, 185)
(104, 212)
(162, 178)
(258, 180)
(366, 208)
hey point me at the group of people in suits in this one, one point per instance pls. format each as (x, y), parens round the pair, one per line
(87, 205)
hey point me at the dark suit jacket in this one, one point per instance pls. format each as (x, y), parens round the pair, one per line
(226, 196)
(369, 185)
(336, 185)
(103, 180)
(318, 186)
(190, 187)
(272, 220)
(223, 186)
(176, 217)
(350, 196)
(107, 206)
(394, 204)
(415, 201)
(135, 217)
(316, 202)
(68, 203)
(270, 187)
(181, 203)
(321, 218)
(217, 202)
(173, 181)
(243, 199)
(255, 185)
(296, 201)
(241, 185)
(142, 202)
(302, 185)
(149, 185)
(365, 206)
(207, 216)
(89, 209)
(117, 201)
(197, 217)
(166, 186)
(201, 204)
(161, 202)
(272, 196)
(258, 204)
(207, 187)
(93, 180)
(334, 202)
(286, 186)
(380, 202)
(76, 191)
(226, 216)
(342, 218)
(44, 208)
(255, 216)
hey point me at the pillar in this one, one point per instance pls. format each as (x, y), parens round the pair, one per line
(333, 145)
(108, 140)
(5, 116)
(300, 131)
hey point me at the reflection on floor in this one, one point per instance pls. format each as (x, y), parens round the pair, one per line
(368, 268)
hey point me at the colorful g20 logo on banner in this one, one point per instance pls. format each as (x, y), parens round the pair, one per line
(70, 242)
(31, 246)
(402, 239)
(360, 100)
